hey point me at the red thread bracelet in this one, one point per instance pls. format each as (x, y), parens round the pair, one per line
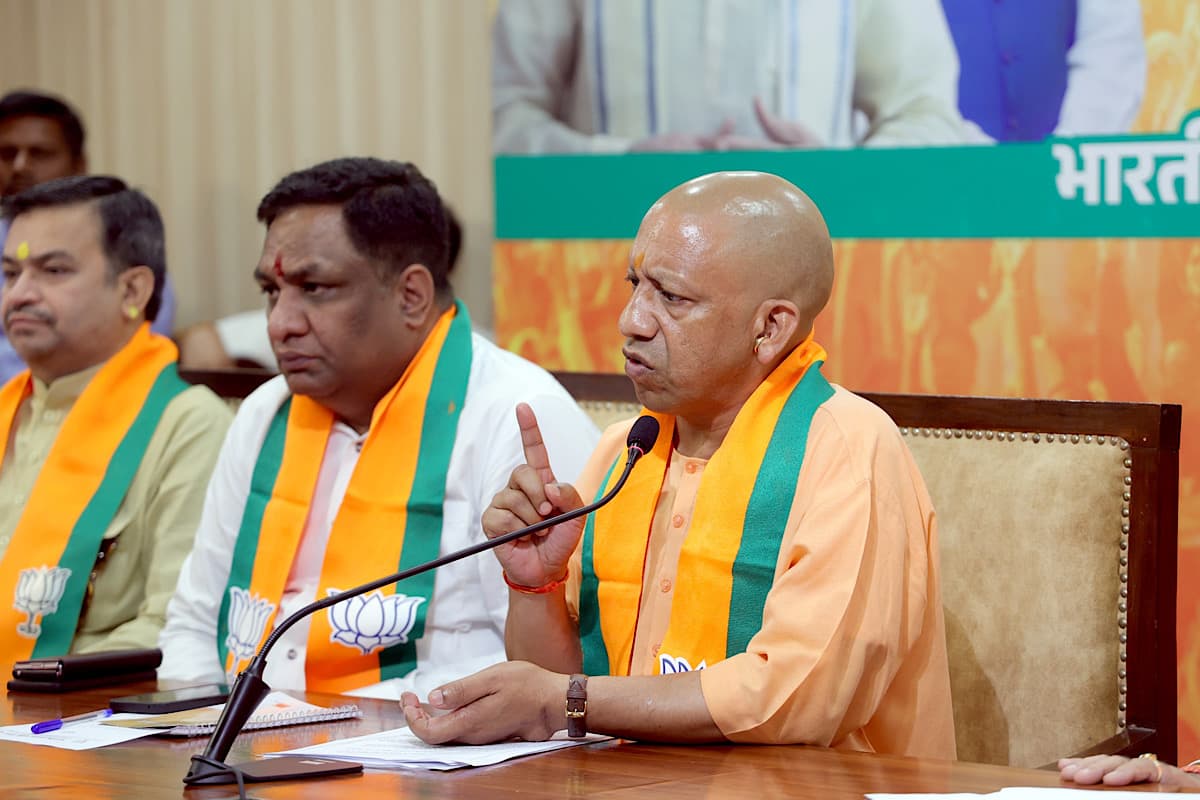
(544, 589)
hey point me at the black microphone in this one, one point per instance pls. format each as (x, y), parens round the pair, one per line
(249, 689)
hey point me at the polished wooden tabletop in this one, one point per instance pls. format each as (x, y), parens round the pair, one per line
(153, 767)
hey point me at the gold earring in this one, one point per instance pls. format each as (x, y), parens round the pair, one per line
(758, 340)
(131, 312)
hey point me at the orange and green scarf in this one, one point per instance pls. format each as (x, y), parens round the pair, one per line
(727, 563)
(390, 519)
(85, 477)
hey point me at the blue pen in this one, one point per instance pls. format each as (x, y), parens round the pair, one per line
(55, 724)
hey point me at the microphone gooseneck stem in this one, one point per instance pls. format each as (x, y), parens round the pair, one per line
(248, 691)
(334, 599)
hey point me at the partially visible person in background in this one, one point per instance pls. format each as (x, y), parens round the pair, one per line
(43, 138)
(1033, 68)
(241, 340)
(587, 76)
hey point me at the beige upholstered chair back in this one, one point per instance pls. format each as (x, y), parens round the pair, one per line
(1033, 534)
(607, 412)
(1057, 527)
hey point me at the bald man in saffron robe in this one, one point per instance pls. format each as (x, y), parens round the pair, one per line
(769, 574)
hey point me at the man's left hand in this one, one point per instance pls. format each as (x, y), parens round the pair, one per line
(514, 699)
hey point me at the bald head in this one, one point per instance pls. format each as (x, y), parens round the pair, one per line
(769, 236)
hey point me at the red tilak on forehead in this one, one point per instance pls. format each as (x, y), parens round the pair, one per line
(278, 265)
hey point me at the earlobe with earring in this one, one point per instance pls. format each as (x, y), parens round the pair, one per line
(758, 340)
(131, 312)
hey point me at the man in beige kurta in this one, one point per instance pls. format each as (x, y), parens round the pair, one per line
(84, 269)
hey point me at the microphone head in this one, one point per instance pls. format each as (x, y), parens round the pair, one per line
(643, 434)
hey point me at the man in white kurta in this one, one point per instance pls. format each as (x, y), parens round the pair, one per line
(368, 338)
(465, 627)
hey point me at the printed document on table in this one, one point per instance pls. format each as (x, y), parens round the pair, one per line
(77, 735)
(400, 749)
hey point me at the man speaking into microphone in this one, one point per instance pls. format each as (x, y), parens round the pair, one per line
(769, 573)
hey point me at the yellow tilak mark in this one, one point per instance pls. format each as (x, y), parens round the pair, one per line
(23, 251)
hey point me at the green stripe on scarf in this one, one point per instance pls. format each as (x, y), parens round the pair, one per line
(595, 653)
(79, 556)
(764, 525)
(767, 512)
(262, 484)
(423, 531)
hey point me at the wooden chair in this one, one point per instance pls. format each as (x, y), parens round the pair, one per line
(1057, 526)
(231, 384)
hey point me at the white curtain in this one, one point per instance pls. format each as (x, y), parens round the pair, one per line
(204, 104)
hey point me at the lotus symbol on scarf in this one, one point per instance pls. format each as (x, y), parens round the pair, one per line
(670, 665)
(38, 591)
(248, 615)
(373, 621)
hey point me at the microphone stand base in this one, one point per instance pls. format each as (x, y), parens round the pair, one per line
(281, 768)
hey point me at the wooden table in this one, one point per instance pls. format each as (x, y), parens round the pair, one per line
(153, 767)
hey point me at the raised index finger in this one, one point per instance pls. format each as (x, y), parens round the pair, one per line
(531, 441)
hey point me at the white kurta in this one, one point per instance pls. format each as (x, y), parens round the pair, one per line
(464, 628)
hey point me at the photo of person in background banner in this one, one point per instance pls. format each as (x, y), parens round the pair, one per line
(613, 76)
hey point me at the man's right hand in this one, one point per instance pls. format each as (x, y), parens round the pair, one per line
(531, 496)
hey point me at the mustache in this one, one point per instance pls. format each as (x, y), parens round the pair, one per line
(39, 314)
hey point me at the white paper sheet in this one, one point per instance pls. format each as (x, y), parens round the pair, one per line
(1019, 793)
(77, 735)
(400, 749)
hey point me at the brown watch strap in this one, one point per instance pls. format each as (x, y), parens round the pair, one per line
(577, 706)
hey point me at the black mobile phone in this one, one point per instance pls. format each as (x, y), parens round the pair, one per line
(171, 700)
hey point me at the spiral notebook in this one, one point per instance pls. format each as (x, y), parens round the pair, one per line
(276, 711)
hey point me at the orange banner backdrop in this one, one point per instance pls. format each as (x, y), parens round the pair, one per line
(1105, 319)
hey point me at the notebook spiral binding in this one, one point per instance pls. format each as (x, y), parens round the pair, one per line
(300, 716)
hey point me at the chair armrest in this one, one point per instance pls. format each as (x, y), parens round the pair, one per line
(1131, 743)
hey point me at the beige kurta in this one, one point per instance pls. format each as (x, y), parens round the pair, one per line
(153, 528)
(852, 651)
